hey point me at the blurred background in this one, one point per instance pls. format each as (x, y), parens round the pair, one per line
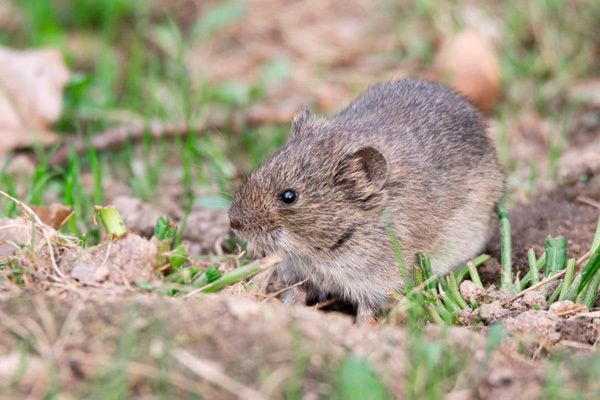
(162, 106)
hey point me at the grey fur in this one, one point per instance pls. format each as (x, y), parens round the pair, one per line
(415, 149)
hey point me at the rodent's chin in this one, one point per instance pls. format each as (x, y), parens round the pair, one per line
(261, 243)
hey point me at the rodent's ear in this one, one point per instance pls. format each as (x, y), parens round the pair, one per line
(362, 174)
(300, 119)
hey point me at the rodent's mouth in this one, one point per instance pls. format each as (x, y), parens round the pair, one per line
(261, 243)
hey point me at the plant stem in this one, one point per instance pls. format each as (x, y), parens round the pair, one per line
(591, 268)
(572, 291)
(434, 314)
(471, 268)
(451, 306)
(505, 250)
(591, 292)
(554, 296)
(596, 240)
(112, 221)
(474, 274)
(425, 264)
(556, 254)
(417, 275)
(237, 275)
(539, 266)
(454, 293)
(533, 266)
(568, 279)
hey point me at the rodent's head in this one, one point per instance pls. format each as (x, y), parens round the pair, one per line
(313, 194)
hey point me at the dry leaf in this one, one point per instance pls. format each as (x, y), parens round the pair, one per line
(11, 17)
(31, 86)
(468, 63)
(55, 215)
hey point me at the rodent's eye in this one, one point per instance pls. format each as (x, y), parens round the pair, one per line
(288, 196)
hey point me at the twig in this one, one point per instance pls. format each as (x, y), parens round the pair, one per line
(140, 369)
(211, 373)
(115, 137)
(537, 285)
(285, 289)
(578, 345)
(68, 327)
(545, 281)
(39, 222)
(589, 202)
(324, 304)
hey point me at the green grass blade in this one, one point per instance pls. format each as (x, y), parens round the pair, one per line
(454, 293)
(435, 316)
(591, 291)
(211, 274)
(533, 271)
(591, 269)
(417, 275)
(450, 304)
(237, 275)
(568, 279)
(573, 289)
(539, 266)
(164, 229)
(554, 296)
(506, 281)
(443, 312)
(596, 240)
(556, 254)
(425, 265)
(71, 185)
(593, 264)
(396, 248)
(461, 273)
(96, 168)
(472, 265)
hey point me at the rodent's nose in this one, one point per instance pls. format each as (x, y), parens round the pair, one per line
(234, 222)
(242, 219)
(235, 219)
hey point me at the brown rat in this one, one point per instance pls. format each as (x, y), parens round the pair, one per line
(410, 154)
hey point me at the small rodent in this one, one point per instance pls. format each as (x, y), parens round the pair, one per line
(410, 156)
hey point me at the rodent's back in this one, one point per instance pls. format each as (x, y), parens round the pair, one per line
(422, 121)
(444, 177)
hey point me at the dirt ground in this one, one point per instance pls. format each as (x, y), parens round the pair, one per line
(83, 332)
(200, 341)
(84, 316)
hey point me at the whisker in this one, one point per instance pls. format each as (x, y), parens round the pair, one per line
(225, 194)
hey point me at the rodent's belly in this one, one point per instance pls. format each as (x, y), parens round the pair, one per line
(358, 281)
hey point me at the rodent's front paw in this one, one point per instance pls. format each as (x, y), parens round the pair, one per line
(315, 296)
(365, 315)
(293, 295)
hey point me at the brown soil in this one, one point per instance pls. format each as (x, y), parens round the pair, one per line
(204, 345)
(206, 335)
(561, 211)
(569, 207)
(237, 345)
(95, 322)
